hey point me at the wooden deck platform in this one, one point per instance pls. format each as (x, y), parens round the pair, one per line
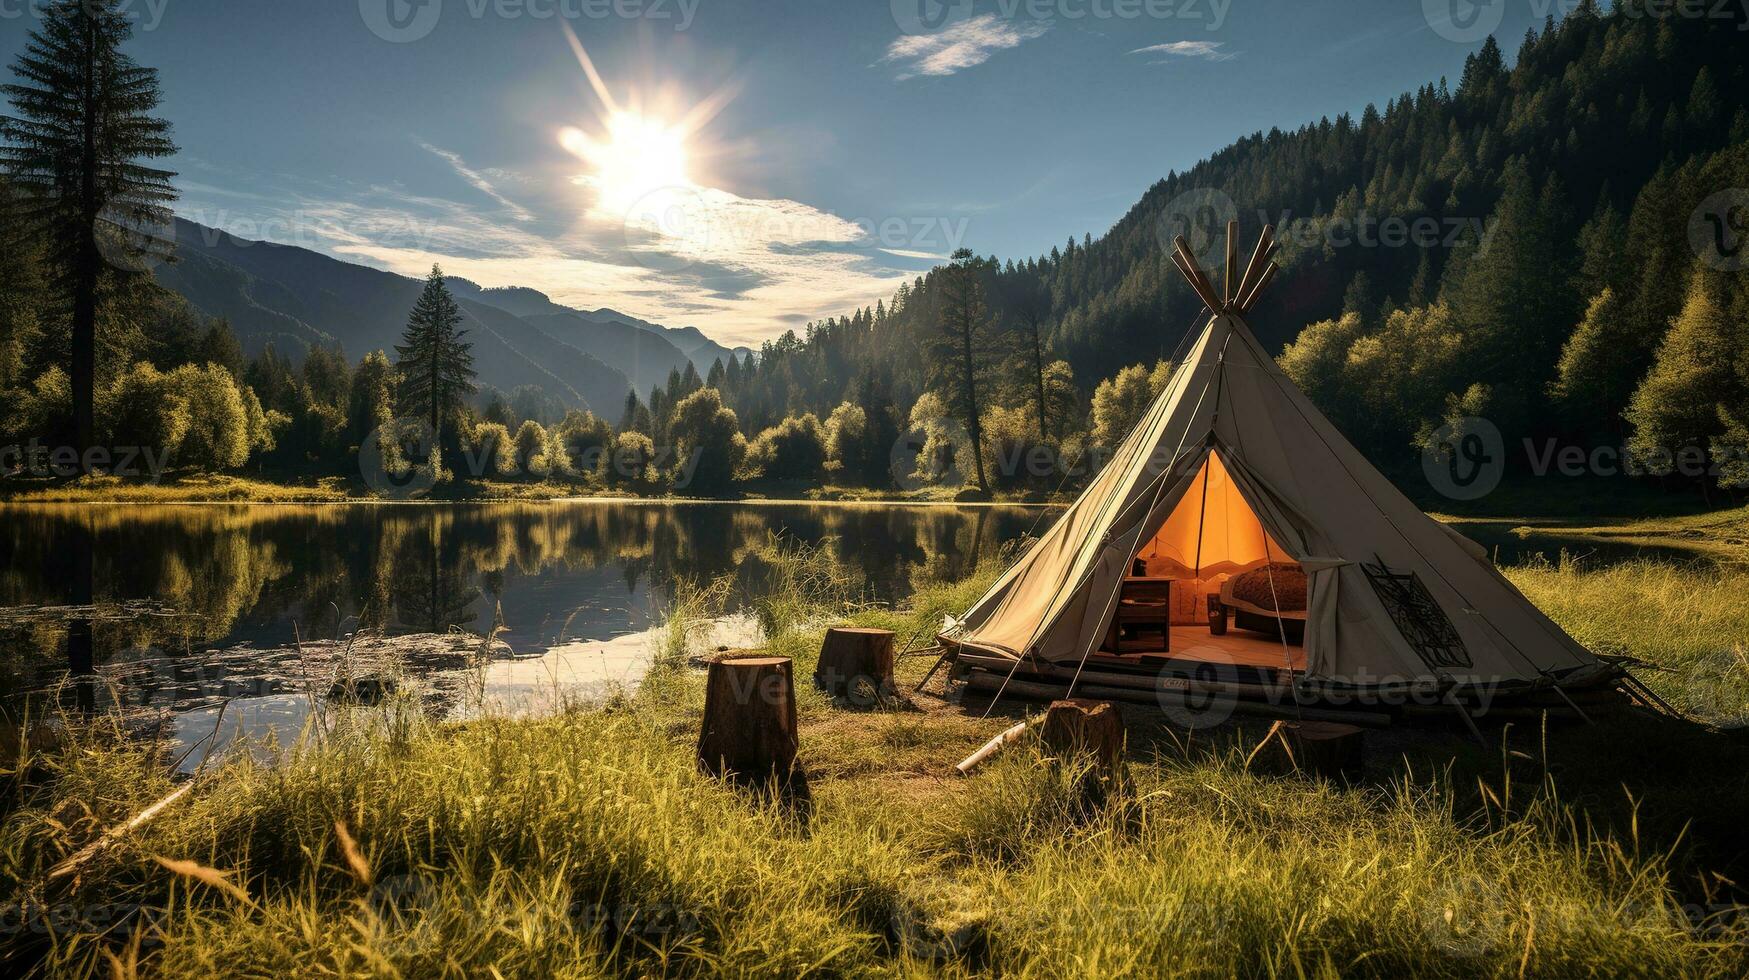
(1195, 644)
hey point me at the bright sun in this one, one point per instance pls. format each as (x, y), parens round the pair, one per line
(639, 156)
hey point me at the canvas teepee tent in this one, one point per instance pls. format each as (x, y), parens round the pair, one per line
(1233, 468)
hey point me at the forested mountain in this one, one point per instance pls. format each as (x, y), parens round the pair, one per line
(294, 297)
(1548, 203)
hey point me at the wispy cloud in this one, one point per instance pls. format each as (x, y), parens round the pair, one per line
(741, 269)
(1207, 50)
(963, 45)
(479, 182)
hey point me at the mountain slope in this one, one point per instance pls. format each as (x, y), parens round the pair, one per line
(292, 296)
(646, 357)
(691, 341)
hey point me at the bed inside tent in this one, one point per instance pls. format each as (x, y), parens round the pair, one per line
(1210, 585)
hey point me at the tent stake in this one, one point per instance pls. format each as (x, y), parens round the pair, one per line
(1451, 698)
(1650, 696)
(945, 653)
(1575, 707)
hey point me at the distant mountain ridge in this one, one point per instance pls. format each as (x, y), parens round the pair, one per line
(293, 297)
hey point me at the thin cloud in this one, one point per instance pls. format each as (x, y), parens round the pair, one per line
(964, 45)
(479, 182)
(1207, 50)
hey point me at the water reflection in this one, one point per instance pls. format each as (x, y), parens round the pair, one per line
(175, 606)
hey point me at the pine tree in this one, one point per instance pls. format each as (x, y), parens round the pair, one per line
(960, 353)
(436, 364)
(83, 125)
(1600, 364)
(628, 418)
(1676, 408)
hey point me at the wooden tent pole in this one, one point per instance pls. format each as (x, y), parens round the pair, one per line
(1192, 276)
(1254, 276)
(1198, 279)
(1203, 510)
(1260, 255)
(1231, 294)
(1250, 298)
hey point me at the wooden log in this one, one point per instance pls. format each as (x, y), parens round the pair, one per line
(1086, 739)
(1083, 726)
(749, 729)
(1044, 690)
(856, 663)
(1326, 750)
(993, 746)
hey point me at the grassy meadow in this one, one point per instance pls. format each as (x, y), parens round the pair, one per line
(585, 843)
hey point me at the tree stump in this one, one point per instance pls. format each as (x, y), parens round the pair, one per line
(1084, 732)
(749, 728)
(1325, 749)
(856, 663)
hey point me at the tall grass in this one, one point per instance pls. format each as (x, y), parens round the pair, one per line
(587, 844)
(1691, 622)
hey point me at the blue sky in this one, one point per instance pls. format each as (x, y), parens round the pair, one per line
(772, 161)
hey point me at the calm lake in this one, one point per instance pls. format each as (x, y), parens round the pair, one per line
(168, 612)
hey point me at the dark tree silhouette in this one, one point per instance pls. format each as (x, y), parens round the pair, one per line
(960, 354)
(83, 123)
(436, 364)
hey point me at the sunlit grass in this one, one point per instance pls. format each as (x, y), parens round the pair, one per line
(203, 488)
(587, 844)
(1690, 620)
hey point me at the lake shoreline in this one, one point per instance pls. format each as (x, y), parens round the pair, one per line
(325, 490)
